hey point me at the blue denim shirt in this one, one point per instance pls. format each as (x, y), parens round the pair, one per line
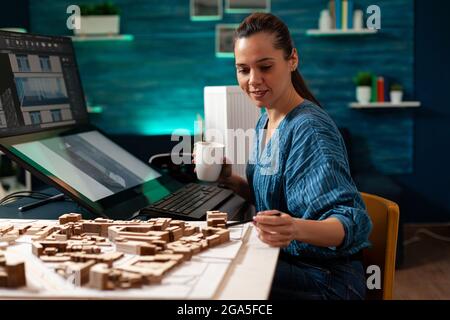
(303, 170)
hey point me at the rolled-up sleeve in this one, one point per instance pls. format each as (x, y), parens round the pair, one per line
(319, 186)
(328, 191)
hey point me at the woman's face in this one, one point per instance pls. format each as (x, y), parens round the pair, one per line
(262, 71)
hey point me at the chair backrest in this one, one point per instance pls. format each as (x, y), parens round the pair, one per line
(385, 218)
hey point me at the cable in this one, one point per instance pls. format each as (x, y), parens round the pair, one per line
(27, 194)
(13, 199)
(19, 194)
(6, 201)
(24, 193)
(427, 232)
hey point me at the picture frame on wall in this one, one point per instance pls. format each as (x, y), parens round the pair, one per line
(206, 10)
(245, 6)
(224, 40)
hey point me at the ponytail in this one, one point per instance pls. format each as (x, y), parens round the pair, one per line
(301, 87)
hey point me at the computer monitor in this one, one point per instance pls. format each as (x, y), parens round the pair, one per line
(44, 126)
(39, 84)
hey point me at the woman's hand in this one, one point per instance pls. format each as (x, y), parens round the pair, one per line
(226, 172)
(275, 228)
(278, 229)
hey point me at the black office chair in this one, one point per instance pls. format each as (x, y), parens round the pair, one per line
(183, 172)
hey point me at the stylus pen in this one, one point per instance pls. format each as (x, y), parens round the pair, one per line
(42, 202)
(232, 224)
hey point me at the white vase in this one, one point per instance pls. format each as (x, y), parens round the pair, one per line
(363, 94)
(396, 96)
(325, 20)
(357, 19)
(99, 25)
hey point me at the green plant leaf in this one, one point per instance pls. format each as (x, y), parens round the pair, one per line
(104, 8)
(363, 79)
(396, 87)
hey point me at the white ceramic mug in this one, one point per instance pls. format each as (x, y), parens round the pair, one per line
(208, 160)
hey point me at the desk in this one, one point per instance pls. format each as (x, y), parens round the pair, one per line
(251, 273)
(48, 211)
(249, 276)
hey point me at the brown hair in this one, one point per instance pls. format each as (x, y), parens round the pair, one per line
(267, 22)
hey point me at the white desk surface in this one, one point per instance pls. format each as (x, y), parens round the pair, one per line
(250, 273)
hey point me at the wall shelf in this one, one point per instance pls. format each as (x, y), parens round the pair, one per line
(116, 37)
(381, 105)
(339, 32)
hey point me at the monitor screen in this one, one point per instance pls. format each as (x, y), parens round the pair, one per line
(40, 86)
(44, 126)
(88, 162)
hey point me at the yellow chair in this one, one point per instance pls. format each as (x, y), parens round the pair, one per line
(385, 217)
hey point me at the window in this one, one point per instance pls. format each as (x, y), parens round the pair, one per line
(45, 63)
(35, 117)
(37, 91)
(23, 63)
(56, 115)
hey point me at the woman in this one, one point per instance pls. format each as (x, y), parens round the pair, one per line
(306, 200)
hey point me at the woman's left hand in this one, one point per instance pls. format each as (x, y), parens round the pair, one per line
(275, 228)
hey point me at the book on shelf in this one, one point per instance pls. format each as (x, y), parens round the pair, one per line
(350, 14)
(338, 12)
(380, 89)
(332, 9)
(341, 12)
(387, 84)
(344, 14)
(374, 91)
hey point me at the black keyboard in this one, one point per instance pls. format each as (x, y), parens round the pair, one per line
(191, 202)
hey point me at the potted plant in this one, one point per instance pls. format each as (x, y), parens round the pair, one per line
(363, 81)
(396, 93)
(99, 19)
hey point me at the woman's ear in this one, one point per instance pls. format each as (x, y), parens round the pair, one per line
(293, 59)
